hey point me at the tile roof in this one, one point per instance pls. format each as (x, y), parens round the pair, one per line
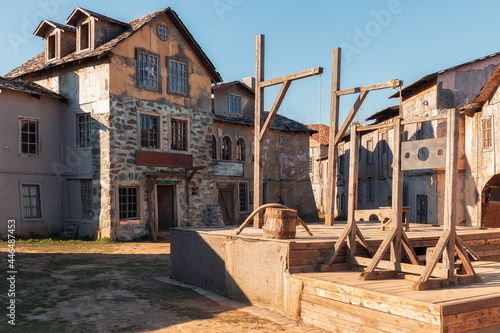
(280, 123)
(70, 19)
(27, 87)
(232, 83)
(53, 24)
(322, 135)
(384, 114)
(38, 63)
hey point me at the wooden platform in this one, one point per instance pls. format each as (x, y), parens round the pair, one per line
(340, 300)
(287, 281)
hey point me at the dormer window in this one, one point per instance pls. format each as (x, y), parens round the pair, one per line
(51, 48)
(84, 36)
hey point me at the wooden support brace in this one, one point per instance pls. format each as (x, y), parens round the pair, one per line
(350, 116)
(363, 241)
(438, 251)
(274, 110)
(393, 266)
(338, 245)
(379, 254)
(412, 255)
(464, 257)
(468, 249)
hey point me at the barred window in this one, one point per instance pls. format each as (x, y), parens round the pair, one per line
(149, 132)
(148, 70)
(243, 194)
(226, 149)
(86, 195)
(31, 201)
(128, 203)
(83, 133)
(29, 137)
(177, 77)
(234, 104)
(487, 134)
(179, 134)
(240, 150)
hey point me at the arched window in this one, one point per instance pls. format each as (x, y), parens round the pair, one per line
(240, 150)
(226, 149)
(214, 147)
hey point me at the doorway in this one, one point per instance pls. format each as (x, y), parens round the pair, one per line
(490, 202)
(226, 201)
(166, 207)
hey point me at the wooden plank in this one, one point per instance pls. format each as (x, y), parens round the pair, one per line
(410, 251)
(468, 249)
(377, 305)
(350, 117)
(296, 246)
(438, 251)
(259, 109)
(340, 242)
(391, 84)
(363, 242)
(464, 257)
(335, 267)
(422, 120)
(374, 127)
(274, 111)
(368, 318)
(296, 76)
(332, 147)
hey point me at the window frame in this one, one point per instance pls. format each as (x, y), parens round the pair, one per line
(78, 137)
(142, 51)
(39, 201)
(20, 137)
(158, 132)
(186, 64)
(243, 202)
(490, 130)
(230, 96)
(187, 142)
(128, 203)
(229, 150)
(240, 150)
(87, 24)
(51, 38)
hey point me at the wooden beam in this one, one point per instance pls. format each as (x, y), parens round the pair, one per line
(338, 245)
(450, 196)
(353, 191)
(393, 266)
(438, 251)
(379, 254)
(423, 120)
(300, 75)
(332, 147)
(391, 84)
(259, 109)
(397, 192)
(350, 117)
(274, 110)
(374, 127)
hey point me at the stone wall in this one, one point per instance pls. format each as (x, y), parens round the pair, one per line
(115, 144)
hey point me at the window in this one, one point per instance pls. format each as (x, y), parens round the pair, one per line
(177, 77)
(31, 201)
(234, 104)
(311, 164)
(421, 208)
(84, 37)
(240, 150)
(226, 149)
(179, 134)
(162, 31)
(195, 190)
(29, 137)
(369, 152)
(384, 143)
(86, 195)
(487, 134)
(369, 188)
(128, 203)
(83, 135)
(243, 194)
(149, 132)
(148, 68)
(340, 165)
(214, 147)
(51, 47)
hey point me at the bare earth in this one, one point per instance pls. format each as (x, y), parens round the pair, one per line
(115, 287)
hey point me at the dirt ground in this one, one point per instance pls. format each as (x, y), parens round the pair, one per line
(77, 286)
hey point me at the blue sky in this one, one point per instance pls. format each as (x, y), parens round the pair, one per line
(380, 40)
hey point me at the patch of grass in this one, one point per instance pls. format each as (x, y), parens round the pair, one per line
(192, 313)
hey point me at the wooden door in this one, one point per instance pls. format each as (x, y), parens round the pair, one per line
(166, 208)
(226, 202)
(421, 209)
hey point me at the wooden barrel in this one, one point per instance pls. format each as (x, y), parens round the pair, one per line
(280, 223)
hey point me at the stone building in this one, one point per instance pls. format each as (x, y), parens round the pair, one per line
(318, 152)
(31, 191)
(137, 124)
(285, 156)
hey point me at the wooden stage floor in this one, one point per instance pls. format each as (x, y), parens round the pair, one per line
(341, 302)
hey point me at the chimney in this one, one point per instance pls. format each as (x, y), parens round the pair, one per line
(249, 81)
